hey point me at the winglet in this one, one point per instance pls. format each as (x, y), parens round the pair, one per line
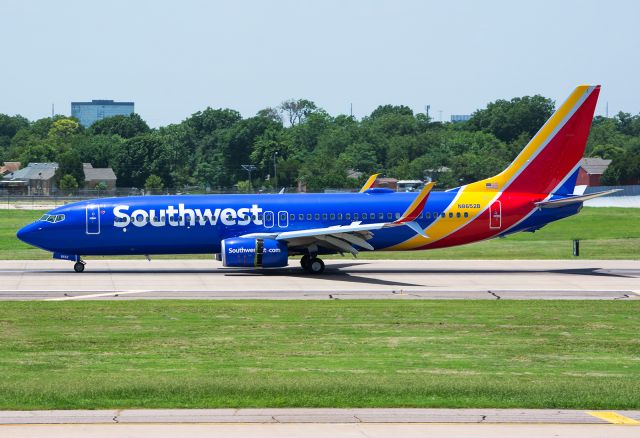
(416, 206)
(369, 183)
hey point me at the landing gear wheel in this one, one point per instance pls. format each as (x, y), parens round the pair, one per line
(316, 266)
(304, 262)
(78, 267)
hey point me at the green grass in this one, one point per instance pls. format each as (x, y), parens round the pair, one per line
(197, 354)
(605, 233)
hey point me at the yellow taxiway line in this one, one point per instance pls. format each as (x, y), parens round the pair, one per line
(613, 417)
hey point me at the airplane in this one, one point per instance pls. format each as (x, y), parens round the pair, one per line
(263, 231)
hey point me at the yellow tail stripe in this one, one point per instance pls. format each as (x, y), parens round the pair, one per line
(613, 417)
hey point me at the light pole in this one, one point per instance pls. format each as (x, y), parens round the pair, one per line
(275, 170)
(249, 168)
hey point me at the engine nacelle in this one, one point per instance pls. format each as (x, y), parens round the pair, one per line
(246, 252)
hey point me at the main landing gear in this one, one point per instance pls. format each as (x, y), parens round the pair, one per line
(79, 266)
(313, 265)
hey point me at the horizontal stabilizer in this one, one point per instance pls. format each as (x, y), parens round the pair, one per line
(562, 202)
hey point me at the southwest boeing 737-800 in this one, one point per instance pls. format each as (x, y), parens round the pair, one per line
(262, 231)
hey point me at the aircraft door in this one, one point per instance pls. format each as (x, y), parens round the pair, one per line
(93, 219)
(283, 219)
(268, 219)
(495, 215)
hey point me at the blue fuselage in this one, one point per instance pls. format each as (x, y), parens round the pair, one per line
(190, 224)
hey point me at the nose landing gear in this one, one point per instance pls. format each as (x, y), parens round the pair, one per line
(79, 266)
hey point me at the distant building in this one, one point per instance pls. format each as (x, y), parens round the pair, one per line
(90, 112)
(455, 118)
(9, 166)
(591, 170)
(386, 183)
(96, 175)
(35, 179)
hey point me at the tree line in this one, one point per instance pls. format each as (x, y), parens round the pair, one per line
(307, 145)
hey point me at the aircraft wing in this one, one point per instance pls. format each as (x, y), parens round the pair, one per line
(342, 238)
(562, 202)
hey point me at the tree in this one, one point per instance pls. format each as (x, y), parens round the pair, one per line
(97, 149)
(69, 163)
(63, 129)
(385, 110)
(9, 127)
(68, 182)
(271, 114)
(507, 119)
(138, 157)
(153, 183)
(125, 126)
(297, 110)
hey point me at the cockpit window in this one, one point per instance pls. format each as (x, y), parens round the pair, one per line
(52, 218)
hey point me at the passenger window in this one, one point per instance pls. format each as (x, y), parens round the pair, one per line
(450, 215)
(381, 216)
(339, 216)
(397, 215)
(458, 214)
(347, 216)
(301, 217)
(466, 214)
(428, 215)
(292, 217)
(355, 216)
(389, 215)
(308, 216)
(332, 216)
(324, 216)
(317, 216)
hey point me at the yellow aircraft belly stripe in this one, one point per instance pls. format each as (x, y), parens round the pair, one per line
(613, 417)
(444, 226)
(480, 193)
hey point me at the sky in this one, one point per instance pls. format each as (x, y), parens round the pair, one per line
(174, 58)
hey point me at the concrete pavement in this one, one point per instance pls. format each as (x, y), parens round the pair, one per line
(355, 430)
(269, 423)
(343, 279)
(322, 415)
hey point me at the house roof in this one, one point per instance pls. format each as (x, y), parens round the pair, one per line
(99, 174)
(9, 166)
(43, 171)
(594, 165)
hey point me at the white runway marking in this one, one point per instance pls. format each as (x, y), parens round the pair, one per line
(99, 295)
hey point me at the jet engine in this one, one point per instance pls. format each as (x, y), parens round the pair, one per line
(246, 252)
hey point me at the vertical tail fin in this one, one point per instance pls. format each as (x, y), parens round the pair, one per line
(551, 157)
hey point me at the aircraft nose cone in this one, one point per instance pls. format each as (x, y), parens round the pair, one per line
(27, 233)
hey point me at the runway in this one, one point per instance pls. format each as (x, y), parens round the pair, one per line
(343, 279)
